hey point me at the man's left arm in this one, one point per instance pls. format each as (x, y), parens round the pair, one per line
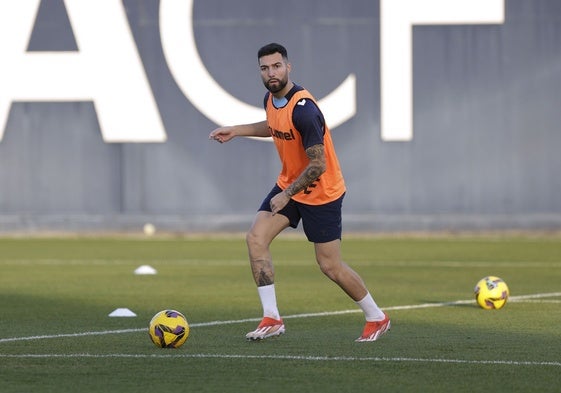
(310, 174)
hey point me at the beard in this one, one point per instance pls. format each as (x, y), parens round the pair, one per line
(281, 84)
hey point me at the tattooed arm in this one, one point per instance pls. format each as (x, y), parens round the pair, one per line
(311, 173)
(315, 168)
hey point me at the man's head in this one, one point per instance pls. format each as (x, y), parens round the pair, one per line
(274, 67)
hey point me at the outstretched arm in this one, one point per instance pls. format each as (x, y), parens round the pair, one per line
(224, 134)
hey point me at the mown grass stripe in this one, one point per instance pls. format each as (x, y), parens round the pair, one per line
(307, 315)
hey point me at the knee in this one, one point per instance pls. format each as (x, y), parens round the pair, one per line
(255, 242)
(331, 270)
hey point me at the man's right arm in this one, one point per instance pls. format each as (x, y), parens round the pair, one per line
(224, 134)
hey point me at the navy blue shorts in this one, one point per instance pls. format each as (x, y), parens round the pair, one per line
(321, 223)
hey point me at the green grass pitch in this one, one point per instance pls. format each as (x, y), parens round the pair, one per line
(56, 336)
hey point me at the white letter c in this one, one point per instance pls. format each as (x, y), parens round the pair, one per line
(192, 77)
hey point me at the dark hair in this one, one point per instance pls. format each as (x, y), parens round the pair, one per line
(272, 48)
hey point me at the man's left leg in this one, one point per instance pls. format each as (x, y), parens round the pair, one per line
(328, 256)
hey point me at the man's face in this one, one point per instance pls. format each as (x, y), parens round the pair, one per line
(274, 72)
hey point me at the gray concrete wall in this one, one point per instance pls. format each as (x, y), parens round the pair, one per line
(485, 145)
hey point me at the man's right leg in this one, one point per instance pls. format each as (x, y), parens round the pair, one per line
(264, 229)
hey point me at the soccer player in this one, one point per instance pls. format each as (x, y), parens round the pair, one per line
(310, 188)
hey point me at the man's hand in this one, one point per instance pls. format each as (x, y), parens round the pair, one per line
(278, 202)
(222, 134)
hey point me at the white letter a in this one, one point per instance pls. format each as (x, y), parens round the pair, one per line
(107, 69)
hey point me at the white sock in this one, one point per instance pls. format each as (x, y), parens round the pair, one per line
(371, 310)
(269, 301)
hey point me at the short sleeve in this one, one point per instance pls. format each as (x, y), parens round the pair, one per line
(309, 122)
